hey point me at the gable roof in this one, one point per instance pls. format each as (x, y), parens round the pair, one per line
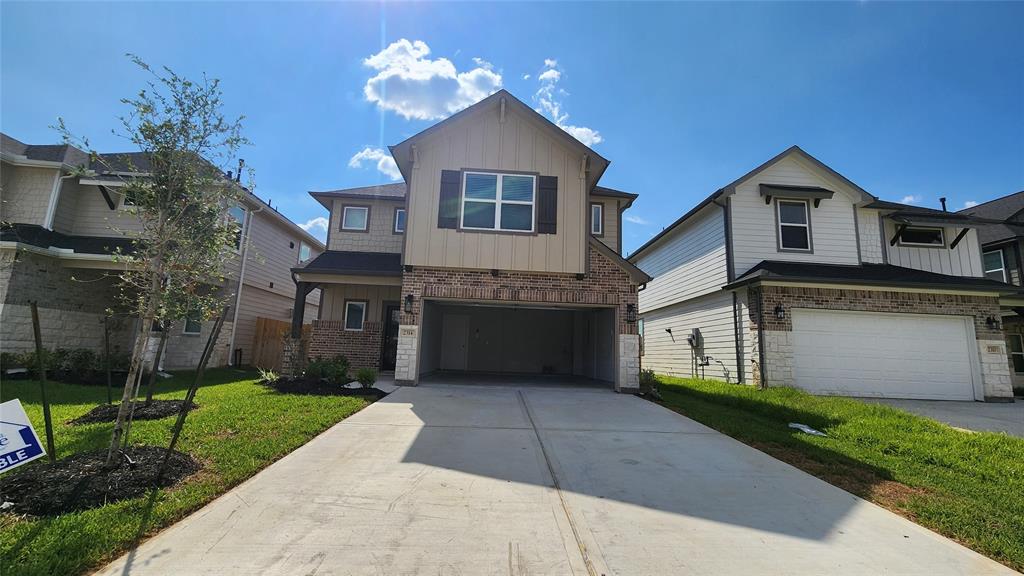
(402, 155)
(638, 275)
(730, 188)
(355, 263)
(65, 154)
(1009, 210)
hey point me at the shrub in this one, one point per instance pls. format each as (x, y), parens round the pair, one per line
(334, 370)
(649, 383)
(80, 361)
(367, 377)
(267, 375)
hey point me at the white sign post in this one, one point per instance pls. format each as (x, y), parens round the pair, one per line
(19, 443)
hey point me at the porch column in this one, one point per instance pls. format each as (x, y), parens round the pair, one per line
(302, 289)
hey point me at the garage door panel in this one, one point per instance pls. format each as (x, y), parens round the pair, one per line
(883, 355)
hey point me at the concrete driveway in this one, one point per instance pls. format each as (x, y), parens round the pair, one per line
(446, 479)
(977, 416)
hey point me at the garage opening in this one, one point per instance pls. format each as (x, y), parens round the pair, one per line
(499, 342)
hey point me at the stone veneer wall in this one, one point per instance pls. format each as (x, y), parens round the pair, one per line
(778, 333)
(605, 283)
(362, 348)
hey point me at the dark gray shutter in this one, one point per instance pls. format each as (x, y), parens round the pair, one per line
(547, 204)
(448, 206)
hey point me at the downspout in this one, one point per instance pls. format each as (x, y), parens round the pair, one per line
(729, 274)
(241, 279)
(760, 336)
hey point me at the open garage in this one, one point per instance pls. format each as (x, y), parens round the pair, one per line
(562, 344)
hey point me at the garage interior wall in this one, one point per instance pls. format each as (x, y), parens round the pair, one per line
(518, 340)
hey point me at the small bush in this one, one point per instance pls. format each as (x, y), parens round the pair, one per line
(267, 375)
(367, 377)
(649, 383)
(80, 361)
(334, 370)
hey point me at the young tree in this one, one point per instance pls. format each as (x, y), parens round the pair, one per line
(182, 199)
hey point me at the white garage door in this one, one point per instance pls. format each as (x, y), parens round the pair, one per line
(884, 355)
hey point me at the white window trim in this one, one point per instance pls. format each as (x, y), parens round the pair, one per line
(498, 201)
(241, 226)
(1012, 353)
(362, 319)
(184, 328)
(1002, 263)
(310, 248)
(366, 220)
(395, 227)
(942, 237)
(598, 221)
(806, 226)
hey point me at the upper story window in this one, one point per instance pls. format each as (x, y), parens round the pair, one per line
(492, 201)
(398, 226)
(995, 267)
(237, 213)
(355, 218)
(597, 219)
(921, 236)
(305, 252)
(794, 225)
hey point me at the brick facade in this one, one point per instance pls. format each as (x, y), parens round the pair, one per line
(777, 340)
(604, 284)
(362, 348)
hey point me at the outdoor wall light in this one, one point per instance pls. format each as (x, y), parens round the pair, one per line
(631, 313)
(408, 303)
(780, 312)
(992, 322)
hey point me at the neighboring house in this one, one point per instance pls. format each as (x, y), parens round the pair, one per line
(59, 230)
(1003, 259)
(794, 275)
(498, 254)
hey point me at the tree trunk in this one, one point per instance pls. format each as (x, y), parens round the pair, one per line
(156, 363)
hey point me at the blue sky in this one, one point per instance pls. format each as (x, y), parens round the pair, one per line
(912, 101)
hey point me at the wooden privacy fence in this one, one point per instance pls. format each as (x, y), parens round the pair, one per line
(268, 343)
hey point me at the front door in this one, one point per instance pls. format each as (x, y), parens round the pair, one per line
(390, 351)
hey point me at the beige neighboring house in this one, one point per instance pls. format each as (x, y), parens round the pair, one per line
(499, 254)
(793, 275)
(59, 230)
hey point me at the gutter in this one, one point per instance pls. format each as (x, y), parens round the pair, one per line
(884, 284)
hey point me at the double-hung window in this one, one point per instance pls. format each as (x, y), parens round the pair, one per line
(355, 315)
(1016, 343)
(355, 218)
(237, 213)
(995, 267)
(794, 225)
(597, 219)
(503, 202)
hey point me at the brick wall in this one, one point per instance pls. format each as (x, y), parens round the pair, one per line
(604, 284)
(362, 348)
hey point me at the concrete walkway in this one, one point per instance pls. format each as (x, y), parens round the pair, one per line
(977, 416)
(446, 479)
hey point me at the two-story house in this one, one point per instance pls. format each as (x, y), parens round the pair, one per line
(794, 275)
(60, 227)
(1002, 244)
(499, 254)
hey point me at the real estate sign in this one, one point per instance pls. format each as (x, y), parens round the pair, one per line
(19, 443)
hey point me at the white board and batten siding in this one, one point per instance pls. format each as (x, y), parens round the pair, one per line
(964, 260)
(754, 229)
(482, 141)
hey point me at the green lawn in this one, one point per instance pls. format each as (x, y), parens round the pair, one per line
(967, 486)
(239, 428)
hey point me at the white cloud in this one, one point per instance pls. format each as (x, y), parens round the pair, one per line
(634, 219)
(548, 100)
(911, 199)
(970, 204)
(414, 86)
(317, 227)
(526, 76)
(385, 162)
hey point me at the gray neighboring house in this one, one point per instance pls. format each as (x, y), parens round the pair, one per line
(794, 275)
(59, 230)
(1003, 258)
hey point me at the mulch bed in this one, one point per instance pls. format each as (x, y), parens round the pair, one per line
(153, 411)
(319, 387)
(83, 481)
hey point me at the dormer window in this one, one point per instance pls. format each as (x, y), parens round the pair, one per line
(794, 223)
(493, 201)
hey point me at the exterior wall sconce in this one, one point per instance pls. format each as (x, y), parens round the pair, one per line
(992, 322)
(408, 303)
(780, 312)
(631, 313)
